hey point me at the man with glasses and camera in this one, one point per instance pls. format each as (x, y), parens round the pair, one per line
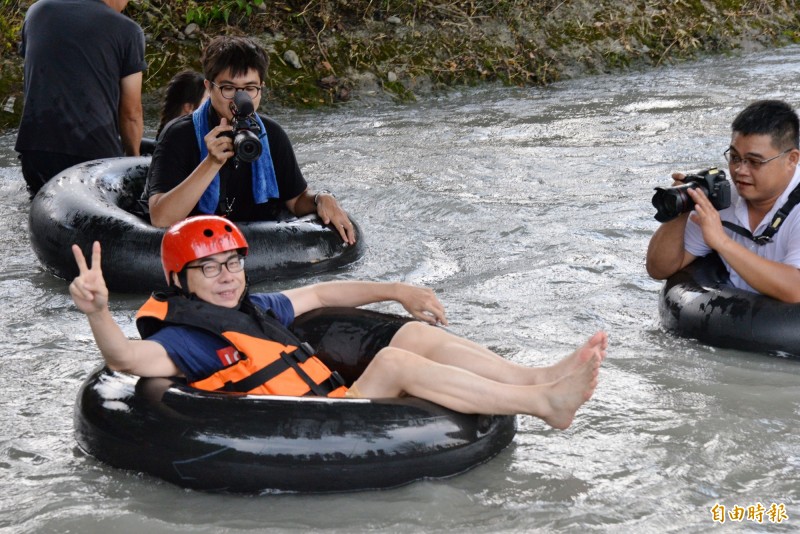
(227, 159)
(758, 235)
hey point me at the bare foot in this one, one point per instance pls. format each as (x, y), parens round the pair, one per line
(595, 345)
(569, 393)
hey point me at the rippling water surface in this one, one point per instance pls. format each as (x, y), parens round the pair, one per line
(528, 210)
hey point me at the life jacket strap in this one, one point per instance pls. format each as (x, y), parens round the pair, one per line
(288, 360)
(262, 376)
(294, 359)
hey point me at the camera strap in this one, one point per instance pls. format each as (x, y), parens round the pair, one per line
(773, 227)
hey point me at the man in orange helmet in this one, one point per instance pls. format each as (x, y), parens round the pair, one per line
(212, 331)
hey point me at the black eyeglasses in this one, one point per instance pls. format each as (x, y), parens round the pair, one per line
(735, 159)
(229, 91)
(211, 269)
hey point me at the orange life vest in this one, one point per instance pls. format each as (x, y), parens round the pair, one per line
(271, 360)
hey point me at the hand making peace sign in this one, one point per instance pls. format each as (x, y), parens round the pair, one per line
(89, 289)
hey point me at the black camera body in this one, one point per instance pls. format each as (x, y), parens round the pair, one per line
(246, 144)
(670, 202)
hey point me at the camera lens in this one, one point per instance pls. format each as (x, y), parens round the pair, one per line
(247, 146)
(682, 201)
(670, 202)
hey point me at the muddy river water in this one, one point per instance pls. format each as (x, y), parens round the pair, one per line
(528, 211)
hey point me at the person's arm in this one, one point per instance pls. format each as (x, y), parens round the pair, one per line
(774, 279)
(666, 252)
(131, 118)
(298, 198)
(420, 302)
(176, 204)
(90, 294)
(325, 205)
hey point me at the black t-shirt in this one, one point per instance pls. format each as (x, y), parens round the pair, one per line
(177, 154)
(76, 52)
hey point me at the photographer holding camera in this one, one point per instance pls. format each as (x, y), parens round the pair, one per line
(228, 160)
(758, 234)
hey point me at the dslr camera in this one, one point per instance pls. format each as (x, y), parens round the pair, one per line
(246, 144)
(670, 202)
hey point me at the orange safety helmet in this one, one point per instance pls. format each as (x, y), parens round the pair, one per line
(198, 237)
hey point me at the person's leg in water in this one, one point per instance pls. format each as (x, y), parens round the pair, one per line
(441, 346)
(395, 371)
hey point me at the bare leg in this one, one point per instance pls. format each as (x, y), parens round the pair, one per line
(439, 345)
(395, 371)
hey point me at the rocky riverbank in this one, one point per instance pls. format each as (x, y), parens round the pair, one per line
(326, 52)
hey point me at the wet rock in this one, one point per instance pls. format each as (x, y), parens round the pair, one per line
(8, 104)
(343, 94)
(291, 57)
(191, 30)
(391, 77)
(366, 83)
(394, 20)
(328, 82)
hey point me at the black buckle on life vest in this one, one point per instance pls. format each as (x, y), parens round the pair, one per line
(303, 352)
(324, 388)
(298, 356)
(335, 381)
(332, 383)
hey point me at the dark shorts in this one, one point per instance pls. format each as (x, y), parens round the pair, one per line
(347, 339)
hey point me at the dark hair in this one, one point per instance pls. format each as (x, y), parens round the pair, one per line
(185, 87)
(239, 54)
(769, 117)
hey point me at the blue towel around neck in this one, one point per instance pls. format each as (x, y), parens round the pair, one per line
(265, 184)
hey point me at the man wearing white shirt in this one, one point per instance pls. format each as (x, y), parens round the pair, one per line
(763, 158)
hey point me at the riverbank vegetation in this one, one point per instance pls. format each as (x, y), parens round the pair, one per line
(324, 52)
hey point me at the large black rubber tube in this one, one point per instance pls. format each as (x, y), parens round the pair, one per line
(234, 443)
(95, 201)
(699, 302)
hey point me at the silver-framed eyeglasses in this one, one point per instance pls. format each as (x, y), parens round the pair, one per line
(212, 269)
(229, 91)
(735, 159)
